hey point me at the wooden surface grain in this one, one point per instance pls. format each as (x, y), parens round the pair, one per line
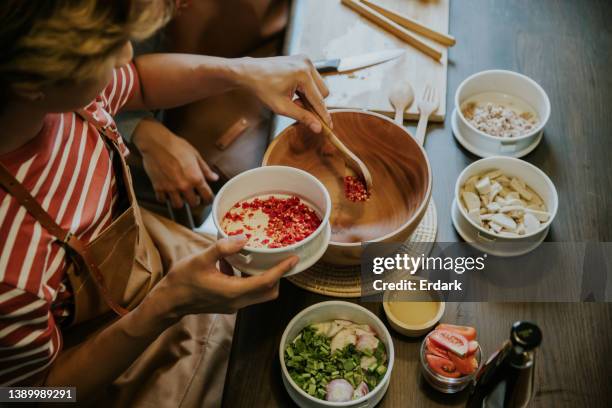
(325, 29)
(563, 45)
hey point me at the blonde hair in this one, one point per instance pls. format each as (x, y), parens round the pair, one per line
(50, 42)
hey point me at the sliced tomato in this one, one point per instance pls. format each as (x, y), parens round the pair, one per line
(442, 366)
(435, 350)
(472, 347)
(466, 331)
(450, 341)
(466, 365)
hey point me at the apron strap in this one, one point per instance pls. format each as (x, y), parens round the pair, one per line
(73, 244)
(23, 196)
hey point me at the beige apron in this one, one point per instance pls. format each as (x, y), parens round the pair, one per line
(186, 365)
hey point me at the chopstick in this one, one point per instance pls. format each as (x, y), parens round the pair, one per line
(412, 24)
(392, 27)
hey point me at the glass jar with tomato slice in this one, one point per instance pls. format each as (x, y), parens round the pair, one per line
(443, 369)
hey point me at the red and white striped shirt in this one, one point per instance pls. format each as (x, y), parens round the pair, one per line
(67, 168)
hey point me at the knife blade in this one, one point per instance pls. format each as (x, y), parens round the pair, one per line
(357, 61)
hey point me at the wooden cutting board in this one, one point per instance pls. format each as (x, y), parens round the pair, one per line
(324, 29)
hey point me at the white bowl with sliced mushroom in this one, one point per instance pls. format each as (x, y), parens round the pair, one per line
(506, 199)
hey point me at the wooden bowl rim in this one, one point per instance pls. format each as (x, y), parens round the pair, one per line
(422, 207)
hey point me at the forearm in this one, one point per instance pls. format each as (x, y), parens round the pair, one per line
(111, 351)
(170, 80)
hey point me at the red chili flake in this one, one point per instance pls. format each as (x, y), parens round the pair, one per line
(355, 189)
(237, 232)
(233, 216)
(289, 219)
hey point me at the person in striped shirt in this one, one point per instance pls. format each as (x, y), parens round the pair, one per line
(59, 56)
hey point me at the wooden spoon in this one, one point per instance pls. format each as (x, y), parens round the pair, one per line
(353, 162)
(401, 98)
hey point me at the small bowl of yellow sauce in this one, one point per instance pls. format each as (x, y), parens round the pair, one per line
(413, 314)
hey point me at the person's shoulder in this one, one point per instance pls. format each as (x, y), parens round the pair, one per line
(119, 89)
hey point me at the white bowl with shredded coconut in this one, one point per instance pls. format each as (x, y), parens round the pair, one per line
(500, 113)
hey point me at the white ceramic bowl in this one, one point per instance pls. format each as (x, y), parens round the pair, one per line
(281, 180)
(331, 310)
(533, 177)
(507, 83)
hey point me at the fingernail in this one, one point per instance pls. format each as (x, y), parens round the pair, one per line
(294, 261)
(214, 176)
(315, 127)
(331, 123)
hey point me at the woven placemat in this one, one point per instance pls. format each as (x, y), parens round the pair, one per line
(345, 281)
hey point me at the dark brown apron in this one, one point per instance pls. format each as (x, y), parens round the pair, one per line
(186, 365)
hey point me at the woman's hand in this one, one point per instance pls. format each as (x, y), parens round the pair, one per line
(176, 169)
(195, 285)
(275, 80)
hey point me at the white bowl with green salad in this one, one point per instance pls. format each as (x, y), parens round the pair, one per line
(336, 354)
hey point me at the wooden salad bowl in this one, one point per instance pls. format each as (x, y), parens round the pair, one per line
(401, 179)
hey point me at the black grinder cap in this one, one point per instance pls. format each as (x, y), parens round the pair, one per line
(526, 334)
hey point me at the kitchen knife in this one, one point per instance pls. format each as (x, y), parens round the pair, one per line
(357, 61)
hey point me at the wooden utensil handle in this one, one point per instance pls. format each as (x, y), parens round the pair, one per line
(412, 24)
(350, 158)
(399, 116)
(392, 27)
(421, 129)
(326, 129)
(308, 106)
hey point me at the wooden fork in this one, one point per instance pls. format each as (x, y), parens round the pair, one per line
(428, 104)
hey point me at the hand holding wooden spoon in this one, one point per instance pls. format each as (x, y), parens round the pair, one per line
(350, 158)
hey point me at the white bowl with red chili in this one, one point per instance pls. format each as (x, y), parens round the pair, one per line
(282, 211)
(450, 357)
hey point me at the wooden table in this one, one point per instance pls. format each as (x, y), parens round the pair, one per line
(565, 46)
